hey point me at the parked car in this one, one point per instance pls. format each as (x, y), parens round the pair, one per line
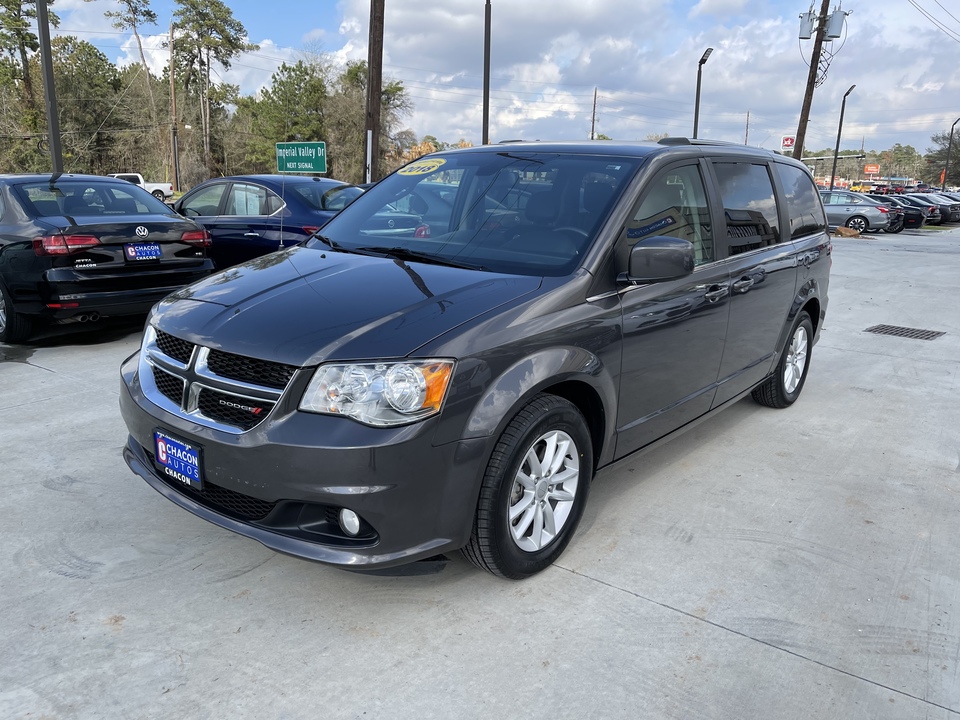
(252, 215)
(161, 191)
(75, 248)
(949, 208)
(367, 401)
(930, 211)
(908, 216)
(855, 210)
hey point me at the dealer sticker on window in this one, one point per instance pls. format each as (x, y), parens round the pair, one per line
(178, 460)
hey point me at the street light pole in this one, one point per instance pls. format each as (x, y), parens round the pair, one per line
(49, 91)
(696, 106)
(943, 185)
(836, 152)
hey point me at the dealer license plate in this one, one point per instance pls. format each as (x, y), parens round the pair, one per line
(143, 251)
(178, 460)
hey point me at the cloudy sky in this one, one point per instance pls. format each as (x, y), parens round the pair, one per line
(548, 56)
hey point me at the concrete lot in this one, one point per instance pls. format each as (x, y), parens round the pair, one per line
(769, 564)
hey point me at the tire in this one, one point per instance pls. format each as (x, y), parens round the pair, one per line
(158, 194)
(895, 229)
(14, 326)
(858, 223)
(781, 389)
(549, 427)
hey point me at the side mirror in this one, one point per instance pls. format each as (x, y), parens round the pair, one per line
(660, 258)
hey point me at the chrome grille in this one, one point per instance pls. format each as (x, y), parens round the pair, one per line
(176, 348)
(251, 370)
(170, 386)
(227, 392)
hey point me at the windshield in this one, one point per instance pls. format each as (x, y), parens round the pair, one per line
(88, 197)
(523, 213)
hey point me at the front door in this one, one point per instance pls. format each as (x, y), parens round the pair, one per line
(673, 332)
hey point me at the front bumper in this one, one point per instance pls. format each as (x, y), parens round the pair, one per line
(283, 482)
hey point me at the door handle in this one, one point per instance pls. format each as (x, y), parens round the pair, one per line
(251, 234)
(743, 284)
(717, 292)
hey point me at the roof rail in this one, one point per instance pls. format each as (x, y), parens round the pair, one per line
(693, 141)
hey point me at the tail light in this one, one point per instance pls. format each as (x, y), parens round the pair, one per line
(63, 244)
(197, 238)
(422, 231)
(310, 229)
(883, 208)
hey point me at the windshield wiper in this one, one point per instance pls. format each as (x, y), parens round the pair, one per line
(334, 245)
(402, 253)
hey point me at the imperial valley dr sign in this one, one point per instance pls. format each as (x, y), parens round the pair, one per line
(302, 157)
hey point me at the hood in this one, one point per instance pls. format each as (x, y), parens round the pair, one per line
(303, 306)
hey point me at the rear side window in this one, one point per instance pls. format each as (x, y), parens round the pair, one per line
(803, 201)
(749, 206)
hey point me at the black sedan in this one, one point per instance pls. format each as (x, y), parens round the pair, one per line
(949, 208)
(252, 215)
(930, 211)
(911, 216)
(74, 248)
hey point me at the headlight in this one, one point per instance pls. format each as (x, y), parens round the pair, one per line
(379, 394)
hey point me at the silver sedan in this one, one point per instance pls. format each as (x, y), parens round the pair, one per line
(854, 210)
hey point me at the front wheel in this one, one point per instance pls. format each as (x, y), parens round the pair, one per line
(534, 490)
(158, 194)
(781, 389)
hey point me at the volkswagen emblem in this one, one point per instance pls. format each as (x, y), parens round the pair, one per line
(142, 232)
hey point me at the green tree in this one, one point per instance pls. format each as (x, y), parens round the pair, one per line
(207, 32)
(17, 18)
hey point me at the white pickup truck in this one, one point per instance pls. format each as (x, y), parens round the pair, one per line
(161, 191)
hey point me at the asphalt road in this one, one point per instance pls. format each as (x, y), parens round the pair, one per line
(768, 564)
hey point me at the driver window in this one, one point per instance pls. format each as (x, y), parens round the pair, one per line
(205, 202)
(675, 204)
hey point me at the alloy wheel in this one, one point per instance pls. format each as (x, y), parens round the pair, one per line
(544, 490)
(796, 360)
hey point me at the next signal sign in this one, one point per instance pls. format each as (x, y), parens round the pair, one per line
(302, 157)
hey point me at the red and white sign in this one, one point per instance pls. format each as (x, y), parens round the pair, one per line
(787, 142)
(871, 169)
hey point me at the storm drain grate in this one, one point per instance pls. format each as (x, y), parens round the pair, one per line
(905, 332)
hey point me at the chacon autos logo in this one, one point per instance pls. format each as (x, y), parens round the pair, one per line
(141, 231)
(249, 408)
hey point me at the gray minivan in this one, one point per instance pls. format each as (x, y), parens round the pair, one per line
(366, 400)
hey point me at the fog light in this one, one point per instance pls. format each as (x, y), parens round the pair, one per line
(349, 522)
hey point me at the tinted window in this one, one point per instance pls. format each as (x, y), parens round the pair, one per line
(87, 197)
(749, 206)
(514, 212)
(803, 202)
(674, 204)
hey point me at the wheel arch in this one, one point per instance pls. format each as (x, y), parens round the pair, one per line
(574, 374)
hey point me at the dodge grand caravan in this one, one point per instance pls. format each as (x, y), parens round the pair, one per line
(386, 392)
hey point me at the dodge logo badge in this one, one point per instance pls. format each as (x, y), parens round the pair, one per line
(142, 231)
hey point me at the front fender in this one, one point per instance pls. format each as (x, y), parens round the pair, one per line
(539, 371)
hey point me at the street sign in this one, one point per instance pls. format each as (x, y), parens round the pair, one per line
(871, 169)
(302, 157)
(787, 142)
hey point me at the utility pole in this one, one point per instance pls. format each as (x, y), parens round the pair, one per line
(746, 135)
(593, 118)
(49, 91)
(486, 75)
(811, 79)
(174, 148)
(374, 89)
